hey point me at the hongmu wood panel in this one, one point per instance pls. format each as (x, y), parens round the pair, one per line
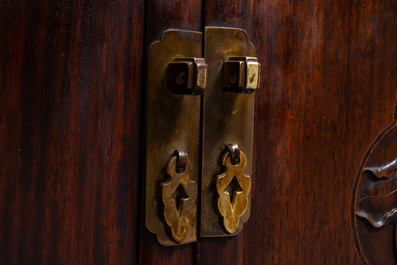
(70, 118)
(72, 102)
(327, 90)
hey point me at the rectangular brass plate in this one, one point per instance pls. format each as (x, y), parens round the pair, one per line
(227, 117)
(173, 123)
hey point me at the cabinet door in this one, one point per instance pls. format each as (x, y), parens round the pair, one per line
(327, 90)
(70, 131)
(72, 127)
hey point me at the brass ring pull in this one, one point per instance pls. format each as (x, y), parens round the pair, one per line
(234, 152)
(181, 160)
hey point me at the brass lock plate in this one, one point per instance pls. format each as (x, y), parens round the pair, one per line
(228, 117)
(175, 77)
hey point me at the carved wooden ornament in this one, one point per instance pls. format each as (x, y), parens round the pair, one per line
(374, 206)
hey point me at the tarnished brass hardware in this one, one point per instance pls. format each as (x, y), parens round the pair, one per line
(241, 74)
(233, 202)
(227, 117)
(173, 123)
(187, 76)
(177, 70)
(234, 151)
(179, 206)
(181, 160)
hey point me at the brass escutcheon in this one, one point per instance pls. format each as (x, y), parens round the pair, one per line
(233, 202)
(179, 206)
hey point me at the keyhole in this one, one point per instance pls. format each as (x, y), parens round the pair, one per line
(233, 188)
(181, 77)
(233, 79)
(179, 196)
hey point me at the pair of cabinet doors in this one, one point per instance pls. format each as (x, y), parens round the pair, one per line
(72, 137)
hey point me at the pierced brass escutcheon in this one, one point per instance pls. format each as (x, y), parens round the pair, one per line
(233, 203)
(179, 206)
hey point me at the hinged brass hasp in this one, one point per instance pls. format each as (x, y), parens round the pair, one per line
(173, 123)
(227, 117)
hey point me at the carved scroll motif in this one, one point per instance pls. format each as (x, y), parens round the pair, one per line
(381, 211)
(375, 200)
(385, 171)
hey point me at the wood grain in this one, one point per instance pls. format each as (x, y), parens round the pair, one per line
(163, 15)
(70, 104)
(71, 101)
(327, 89)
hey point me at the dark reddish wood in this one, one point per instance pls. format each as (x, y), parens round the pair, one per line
(163, 15)
(70, 118)
(328, 88)
(71, 130)
(230, 13)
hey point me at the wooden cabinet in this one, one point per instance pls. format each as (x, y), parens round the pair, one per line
(72, 138)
